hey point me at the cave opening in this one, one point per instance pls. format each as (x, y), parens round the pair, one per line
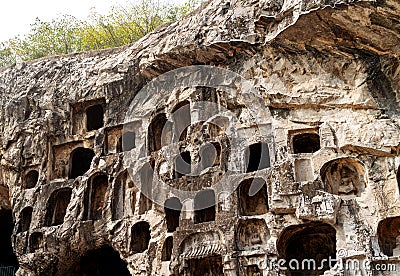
(313, 241)
(80, 160)
(167, 249)
(140, 237)
(99, 186)
(182, 165)
(181, 119)
(252, 234)
(257, 157)
(104, 261)
(204, 206)
(57, 207)
(95, 197)
(210, 155)
(172, 209)
(206, 266)
(156, 132)
(389, 236)
(344, 176)
(35, 241)
(126, 142)
(253, 197)
(31, 179)
(146, 192)
(25, 219)
(7, 256)
(94, 117)
(306, 143)
(118, 199)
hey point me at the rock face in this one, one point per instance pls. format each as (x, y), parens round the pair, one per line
(248, 136)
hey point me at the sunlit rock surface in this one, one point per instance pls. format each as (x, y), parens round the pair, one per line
(307, 166)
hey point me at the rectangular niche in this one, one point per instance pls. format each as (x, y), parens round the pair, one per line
(303, 170)
(121, 137)
(304, 141)
(87, 116)
(113, 135)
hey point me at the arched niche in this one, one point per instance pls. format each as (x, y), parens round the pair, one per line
(181, 119)
(202, 253)
(252, 234)
(146, 191)
(95, 197)
(80, 161)
(126, 142)
(307, 142)
(35, 241)
(344, 176)
(57, 206)
(103, 261)
(159, 133)
(167, 249)
(182, 165)
(7, 255)
(172, 209)
(25, 219)
(30, 180)
(204, 206)
(140, 237)
(257, 157)
(253, 197)
(389, 236)
(313, 241)
(119, 198)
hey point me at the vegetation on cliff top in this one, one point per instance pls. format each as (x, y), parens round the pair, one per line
(67, 34)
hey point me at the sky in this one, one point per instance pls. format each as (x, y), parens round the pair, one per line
(17, 15)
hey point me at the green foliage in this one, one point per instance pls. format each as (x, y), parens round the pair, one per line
(60, 36)
(66, 34)
(6, 54)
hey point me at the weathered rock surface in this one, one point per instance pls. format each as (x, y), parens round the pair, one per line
(326, 78)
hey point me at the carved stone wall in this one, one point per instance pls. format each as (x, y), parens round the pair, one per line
(309, 163)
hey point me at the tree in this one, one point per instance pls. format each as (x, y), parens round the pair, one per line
(59, 36)
(6, 54)
(66, 34)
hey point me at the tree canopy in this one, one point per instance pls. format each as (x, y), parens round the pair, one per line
(66, 34)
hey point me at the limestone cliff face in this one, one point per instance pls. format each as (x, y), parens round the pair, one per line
(78, 164)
